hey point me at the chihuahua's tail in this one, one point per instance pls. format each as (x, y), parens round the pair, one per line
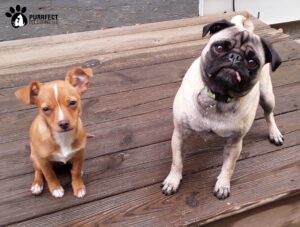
(243, 22)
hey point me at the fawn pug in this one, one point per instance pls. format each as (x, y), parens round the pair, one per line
(220, 93)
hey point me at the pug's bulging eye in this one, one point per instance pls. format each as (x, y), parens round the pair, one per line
(252, 64)
(219, 48)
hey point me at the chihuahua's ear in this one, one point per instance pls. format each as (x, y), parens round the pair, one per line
(271, 56)
(216, 27)
(79, 78)
(28, 94)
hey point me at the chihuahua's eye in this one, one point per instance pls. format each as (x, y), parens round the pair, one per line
(252, 64)
(72, 103)
(46, 109)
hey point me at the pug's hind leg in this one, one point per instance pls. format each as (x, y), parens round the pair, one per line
(172, 181)
(267, 102)
(231, 153)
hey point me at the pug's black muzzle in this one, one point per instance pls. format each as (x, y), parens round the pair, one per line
(228, 73)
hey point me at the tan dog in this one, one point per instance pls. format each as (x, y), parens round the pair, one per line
(57, 133)
(219, 96)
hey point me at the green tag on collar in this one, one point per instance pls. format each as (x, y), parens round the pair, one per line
(230, 99)
(213, 96)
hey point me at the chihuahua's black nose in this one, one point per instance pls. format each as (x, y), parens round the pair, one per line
(64, 124)
(234, 58)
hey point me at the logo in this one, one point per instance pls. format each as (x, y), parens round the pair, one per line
(18, 19)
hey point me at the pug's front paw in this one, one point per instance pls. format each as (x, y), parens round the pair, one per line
(222, 189)
(275, 136)
(171, 183)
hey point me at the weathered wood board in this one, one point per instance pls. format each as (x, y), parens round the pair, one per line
(138, 70)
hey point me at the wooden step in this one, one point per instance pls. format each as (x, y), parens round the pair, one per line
(138, 70)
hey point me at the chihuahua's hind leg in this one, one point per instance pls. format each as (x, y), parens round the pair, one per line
(267, 102)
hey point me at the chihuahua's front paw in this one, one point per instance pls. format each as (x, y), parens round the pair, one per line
(222, 189)
(36, 189)
(58, 192)
(79, 192)
(171, 183)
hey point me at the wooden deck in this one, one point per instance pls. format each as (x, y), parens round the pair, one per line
(138, 70)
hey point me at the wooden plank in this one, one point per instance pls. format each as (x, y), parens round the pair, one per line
(288, 50)
(194, 203)
(118, 177)
(277, 214)
(49, 56)
(52, 53)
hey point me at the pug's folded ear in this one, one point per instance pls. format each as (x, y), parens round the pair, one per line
(271, 56)
(216, 27)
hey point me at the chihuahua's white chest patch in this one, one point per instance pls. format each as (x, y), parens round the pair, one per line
(64, 140)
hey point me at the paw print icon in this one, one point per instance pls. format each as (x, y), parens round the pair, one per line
(18, 19)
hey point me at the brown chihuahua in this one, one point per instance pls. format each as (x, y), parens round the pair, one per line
(57, 133)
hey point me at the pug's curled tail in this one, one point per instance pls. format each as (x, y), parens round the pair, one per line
(243, 22)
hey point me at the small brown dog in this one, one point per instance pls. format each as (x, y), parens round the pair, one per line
(57, 133)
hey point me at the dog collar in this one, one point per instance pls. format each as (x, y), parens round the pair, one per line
(219, 97)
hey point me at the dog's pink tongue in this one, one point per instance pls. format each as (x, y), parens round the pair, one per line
(238, 77)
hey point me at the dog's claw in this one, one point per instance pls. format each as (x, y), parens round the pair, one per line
(222, 193)
(167, 193)
(58, 192)
(275, 136)
(171, 184)
(80, 193)
(278, 141)
(222, 188)
(36, 189)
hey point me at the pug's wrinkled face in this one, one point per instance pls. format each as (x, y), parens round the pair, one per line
(233, 58)
(232, 61)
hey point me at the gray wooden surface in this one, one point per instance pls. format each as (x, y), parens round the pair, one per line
(283, 213)
(80, 15)
(128, 109)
